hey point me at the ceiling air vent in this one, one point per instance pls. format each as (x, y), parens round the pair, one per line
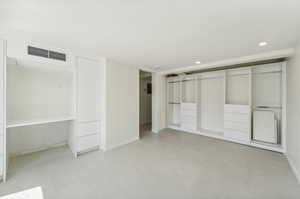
(46, 53)
(57, 55)
(37, 52)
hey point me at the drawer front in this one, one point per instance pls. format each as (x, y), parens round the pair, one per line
(189, 113)
(88, 128)
(88, 142)
(236, 135)
(189, 126)
(189, 106)
(237, 109)
(188, 118)
(240, 126)
(237, 117)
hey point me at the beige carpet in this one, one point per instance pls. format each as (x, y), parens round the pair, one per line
(169, 165)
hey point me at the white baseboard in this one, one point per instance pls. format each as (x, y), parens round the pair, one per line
(261, 146)
(39, 149)
(121, 144)
(294, 168)
(157, 130)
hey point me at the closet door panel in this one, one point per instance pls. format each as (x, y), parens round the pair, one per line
(267, 89)
(88, 128)
(212, 104)
(176, 92)
(2, 109)
(89, 90)
(1, 144)
(1, 167)
(237, 90)
(188, 91)
(2, 75)
(88, 142)
(176, 114)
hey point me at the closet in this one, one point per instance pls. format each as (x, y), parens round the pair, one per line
(246, 105)
(48, 102)
(174, 101)
(211, 102)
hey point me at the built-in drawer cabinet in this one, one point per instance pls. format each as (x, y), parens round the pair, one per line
(237, 121)
(240, 126)
(228, 108)
(87, 135)
(188, 116)
(88, 142)
(88, 128)
(237, 135)
(236, 117)
(189, 106)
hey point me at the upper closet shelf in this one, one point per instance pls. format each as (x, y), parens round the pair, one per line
(40, 63)
(37, 122)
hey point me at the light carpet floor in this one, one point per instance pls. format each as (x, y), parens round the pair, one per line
(171, 165)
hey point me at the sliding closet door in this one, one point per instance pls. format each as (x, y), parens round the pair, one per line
(212, 103)
(2, 110)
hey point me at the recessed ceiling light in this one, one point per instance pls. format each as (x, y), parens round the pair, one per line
(263, 43)
(198, 62)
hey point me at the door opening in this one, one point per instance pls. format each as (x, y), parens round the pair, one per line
(145, 103)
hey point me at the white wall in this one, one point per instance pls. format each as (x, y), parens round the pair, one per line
(36, 92)
(37, 137)
(158, 102)
(145, 101)
(293, 112)
(122, 104)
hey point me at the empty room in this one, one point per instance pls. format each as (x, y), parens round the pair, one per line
(141, 99)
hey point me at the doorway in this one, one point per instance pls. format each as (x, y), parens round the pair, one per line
(145, 103)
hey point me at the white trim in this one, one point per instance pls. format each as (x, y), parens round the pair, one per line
(37, 122)
(284, 106)
(157, 131)
(294, 168)
(44, 148)
(252, 144)
(121, 144)
(251, 58)
(5, 155)
(147, 69)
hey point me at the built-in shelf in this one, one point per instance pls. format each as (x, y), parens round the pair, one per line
(37, 122)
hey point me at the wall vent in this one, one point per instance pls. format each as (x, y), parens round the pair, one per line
(46, 53)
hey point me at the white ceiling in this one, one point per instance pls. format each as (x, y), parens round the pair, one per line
(165, 33)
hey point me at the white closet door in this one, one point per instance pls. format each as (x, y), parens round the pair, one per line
(267, 89)
(212, 104)
(237, 89)
(188, 91)
(176, 92)
(2, 110)
(88, 90)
